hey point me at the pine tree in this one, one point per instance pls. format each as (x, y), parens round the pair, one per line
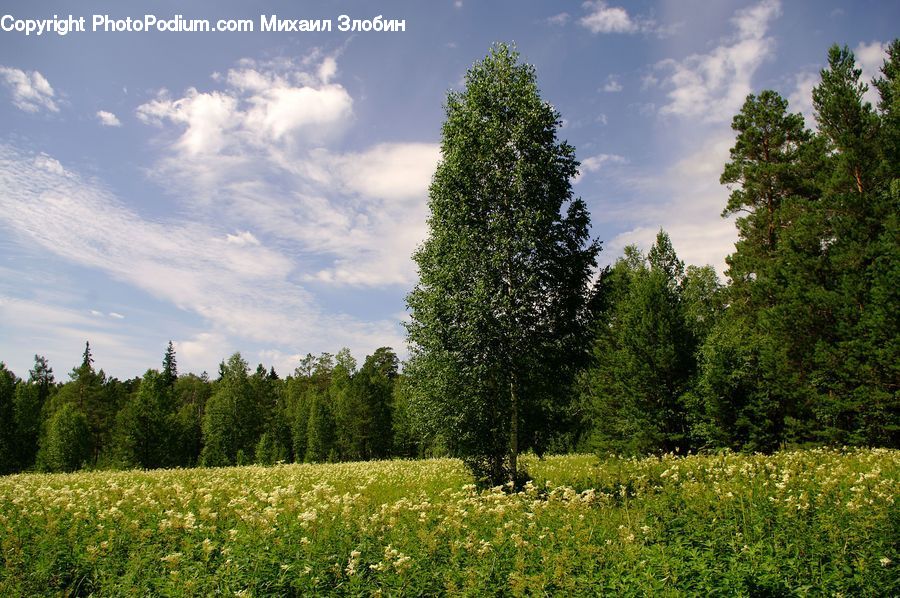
(856, 375)
(756, 364)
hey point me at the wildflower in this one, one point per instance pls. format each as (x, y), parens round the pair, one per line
(353, 562)
(172, 559)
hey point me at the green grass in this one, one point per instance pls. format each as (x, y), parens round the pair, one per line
(807, 522)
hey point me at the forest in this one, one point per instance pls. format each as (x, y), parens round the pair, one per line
(797, 347)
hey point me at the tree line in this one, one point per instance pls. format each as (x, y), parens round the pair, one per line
(328, 409)
(518, 343)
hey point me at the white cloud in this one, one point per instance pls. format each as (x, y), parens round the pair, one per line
(243, 291)
(242, 238)
(612, 84)
(374, 236)
(262, 103)
(649, 81)
(116, 315)
(328, 69)
(686, 200)
(800, 98)
(559, 20)
(361, 212)
(595, 163)
(108, 119)
(392, 171)
(603, 18)
(31, 91)
(45, 162)
(870, 58)
(713, 86)
(202, 351)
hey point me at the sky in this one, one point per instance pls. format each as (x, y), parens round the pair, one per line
(263, 191)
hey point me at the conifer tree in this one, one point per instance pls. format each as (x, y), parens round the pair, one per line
(170, 366)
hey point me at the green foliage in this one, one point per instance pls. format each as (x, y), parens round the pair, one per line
(808, 348)
(856, 362)
(31, 396)
(794, 523)
(228, 422)
(270, 450)
(66, 445)
(498, 318)
(367, 402)
(143, 432)
(644, 353)
(170, 366)
(185, 423)
(407, 442)
(8, 452)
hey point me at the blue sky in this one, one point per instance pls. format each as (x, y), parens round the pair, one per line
(263, 191)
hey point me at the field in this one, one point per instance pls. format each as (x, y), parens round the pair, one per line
(806, 522)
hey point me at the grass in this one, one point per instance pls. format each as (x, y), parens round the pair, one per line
(796, 523)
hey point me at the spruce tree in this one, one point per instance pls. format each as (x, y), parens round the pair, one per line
(170, 366)
(644, 355)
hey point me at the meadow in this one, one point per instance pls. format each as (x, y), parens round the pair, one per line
(811, 522)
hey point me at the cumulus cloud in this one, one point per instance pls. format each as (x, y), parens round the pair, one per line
(714, 85)
(261, 103)
(612, 84)
(870, 58)
(108, 119)
(602, 18)
(260, 150)
(242, 238)
(31, 91)
(596, 163)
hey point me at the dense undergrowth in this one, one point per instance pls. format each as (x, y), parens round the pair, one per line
(805, 522)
